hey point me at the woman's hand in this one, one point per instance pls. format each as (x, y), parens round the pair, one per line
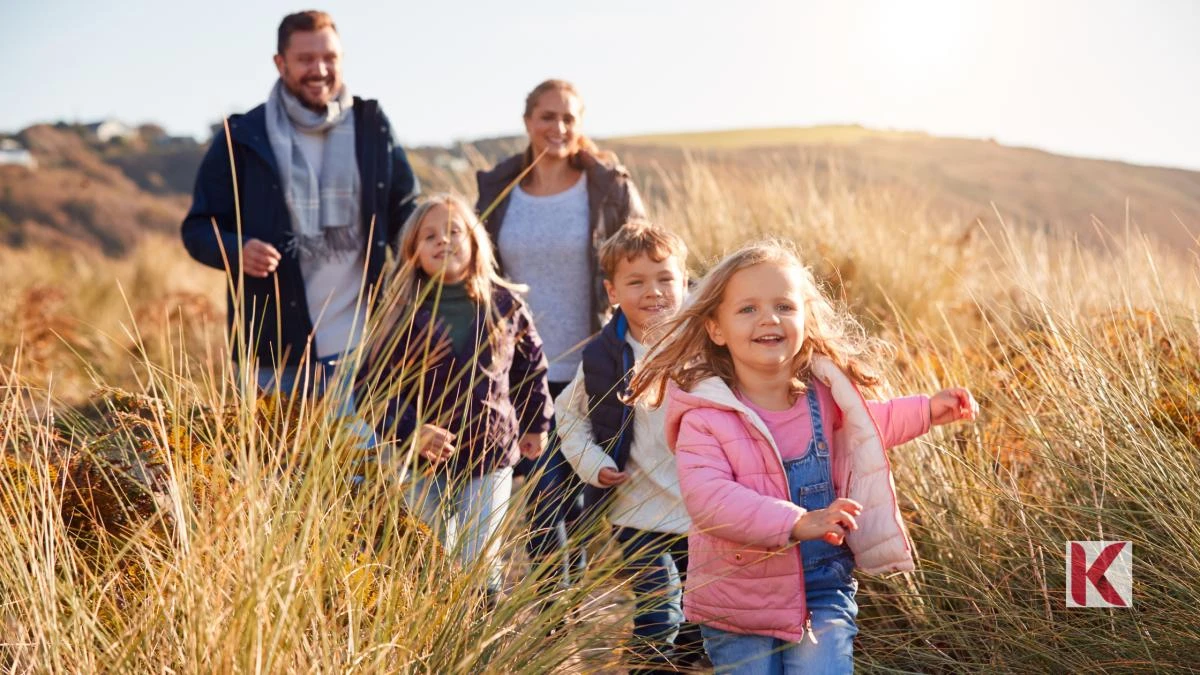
(435, 443)
(830, 523)
(611, 477)
(952, 405)
(532, 445)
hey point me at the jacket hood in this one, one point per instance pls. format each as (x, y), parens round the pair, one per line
(712, 392)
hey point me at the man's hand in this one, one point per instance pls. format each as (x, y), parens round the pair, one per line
(259, 258)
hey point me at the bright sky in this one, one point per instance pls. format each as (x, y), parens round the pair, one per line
(1091, 78)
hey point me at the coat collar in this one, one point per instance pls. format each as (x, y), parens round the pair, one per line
(250, 130)
(712, 392)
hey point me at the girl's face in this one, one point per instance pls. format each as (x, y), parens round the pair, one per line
(444, 244)
(553, 124)
(761, 318)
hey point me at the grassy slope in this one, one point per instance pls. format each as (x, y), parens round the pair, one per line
(1039, 189)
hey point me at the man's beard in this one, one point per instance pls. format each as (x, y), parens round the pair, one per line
(301, 96)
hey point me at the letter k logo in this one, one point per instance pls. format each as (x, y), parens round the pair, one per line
(1112, 582)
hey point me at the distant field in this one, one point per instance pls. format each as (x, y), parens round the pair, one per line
(1086, 199)
(748, 138)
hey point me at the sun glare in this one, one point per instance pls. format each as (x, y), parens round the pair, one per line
(919, 46)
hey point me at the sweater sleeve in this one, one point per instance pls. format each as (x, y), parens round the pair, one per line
(717, 503)
(574, 428)
(901, 419)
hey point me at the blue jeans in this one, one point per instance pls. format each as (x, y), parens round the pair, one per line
(828, 648)
(325, 375)
(658, 561)
(829, 587)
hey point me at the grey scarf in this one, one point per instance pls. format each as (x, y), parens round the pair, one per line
(325, 208)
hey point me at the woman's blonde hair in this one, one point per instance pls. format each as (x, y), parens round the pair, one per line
(686, 354)
(408, 285)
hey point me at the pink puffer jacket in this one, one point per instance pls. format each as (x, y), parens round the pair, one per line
(744, 576)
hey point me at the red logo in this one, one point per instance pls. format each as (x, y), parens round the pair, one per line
(1099, 574)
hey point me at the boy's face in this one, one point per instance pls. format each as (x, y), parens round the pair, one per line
(647, 291)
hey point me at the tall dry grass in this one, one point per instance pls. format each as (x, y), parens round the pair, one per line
(253, 551)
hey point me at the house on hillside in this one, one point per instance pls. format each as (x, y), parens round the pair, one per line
(12, 152)
(110, 129)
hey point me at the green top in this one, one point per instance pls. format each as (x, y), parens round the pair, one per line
(456, 311)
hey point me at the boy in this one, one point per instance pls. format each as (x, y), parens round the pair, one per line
(620, 451)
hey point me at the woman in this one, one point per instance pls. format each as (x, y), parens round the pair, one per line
(547, 210)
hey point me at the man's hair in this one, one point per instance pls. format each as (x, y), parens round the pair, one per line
(308, 20)
(640, 237)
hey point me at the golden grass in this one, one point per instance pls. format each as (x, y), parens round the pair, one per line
(251, 550)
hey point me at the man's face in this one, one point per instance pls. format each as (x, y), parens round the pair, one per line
(311, 67)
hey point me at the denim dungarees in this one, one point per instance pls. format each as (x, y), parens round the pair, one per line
(829, 588)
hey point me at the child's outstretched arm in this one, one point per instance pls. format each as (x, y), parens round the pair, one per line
(717, 503)
(902, 419)
(578, 447)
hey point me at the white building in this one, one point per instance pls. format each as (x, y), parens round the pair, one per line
(107, 130)
(12, 152)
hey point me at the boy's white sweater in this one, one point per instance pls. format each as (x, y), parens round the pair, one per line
(649, 499)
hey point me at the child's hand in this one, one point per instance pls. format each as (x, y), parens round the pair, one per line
(532, 445)
(435, 443)
(611, 477)
(830, 523)
(952, 405)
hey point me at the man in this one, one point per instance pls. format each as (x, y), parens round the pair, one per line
(301, 219)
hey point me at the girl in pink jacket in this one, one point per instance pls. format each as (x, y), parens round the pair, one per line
(782, 463)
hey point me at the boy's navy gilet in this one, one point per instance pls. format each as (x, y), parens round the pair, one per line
(607, 368)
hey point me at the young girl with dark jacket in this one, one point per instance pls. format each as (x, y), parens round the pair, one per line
(460, 365)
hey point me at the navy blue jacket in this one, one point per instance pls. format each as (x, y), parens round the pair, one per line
(279, 321)
(607, 368)
(486, 396)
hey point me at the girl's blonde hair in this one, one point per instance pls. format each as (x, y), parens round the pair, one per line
(408, 284)
(686, 354)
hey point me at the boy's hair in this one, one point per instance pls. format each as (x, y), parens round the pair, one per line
(308, 20)
(640, 237)
(686, 354)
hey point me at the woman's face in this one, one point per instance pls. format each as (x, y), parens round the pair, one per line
(554, 124)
